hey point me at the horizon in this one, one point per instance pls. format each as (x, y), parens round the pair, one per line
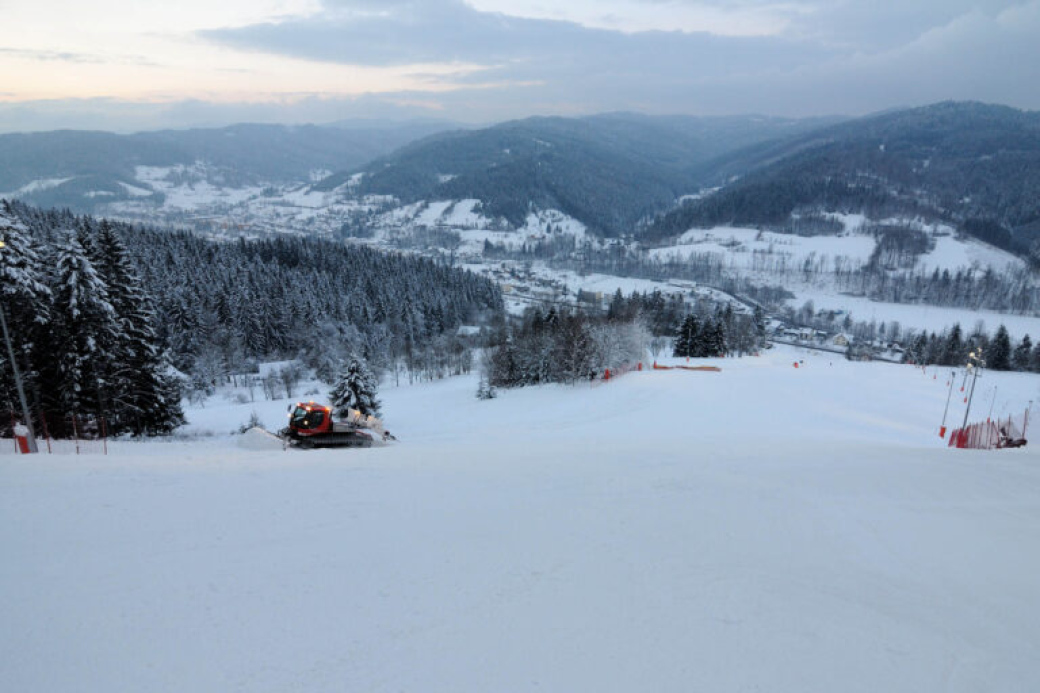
(123, 67)
(390, 123)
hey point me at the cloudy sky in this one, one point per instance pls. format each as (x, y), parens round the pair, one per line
(137, 64)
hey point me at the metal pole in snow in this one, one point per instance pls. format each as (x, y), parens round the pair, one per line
(974, 368)
(988, 416)
(942, 429)
(18, 383)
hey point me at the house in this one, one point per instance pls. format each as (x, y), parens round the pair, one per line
(841, 339)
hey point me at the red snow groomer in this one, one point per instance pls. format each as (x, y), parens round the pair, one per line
(312, 425)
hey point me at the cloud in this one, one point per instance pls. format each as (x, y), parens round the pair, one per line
(833, 57)
(399, 32)
(483, 66)
(406, 32)
(72, 57)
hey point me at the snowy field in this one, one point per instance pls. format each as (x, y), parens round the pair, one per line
(917, 317)
(763, 528)
(751, 250)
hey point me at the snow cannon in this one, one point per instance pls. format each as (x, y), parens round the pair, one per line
(313, 425)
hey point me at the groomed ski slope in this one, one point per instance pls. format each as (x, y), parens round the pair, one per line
(763, 528)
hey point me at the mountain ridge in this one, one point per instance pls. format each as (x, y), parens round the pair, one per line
(976, 165)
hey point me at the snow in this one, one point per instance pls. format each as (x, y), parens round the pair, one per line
(750, 249)
(198, 194)
(762, 528)
(432, 213)
(536, 223)
(745, 249)
(135, 191)
(917, 317)
(463, 215)
(260, 439)
(38, 185)
(953, 253)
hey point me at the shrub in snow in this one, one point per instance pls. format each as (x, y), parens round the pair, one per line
(485, 389)
(254, 422)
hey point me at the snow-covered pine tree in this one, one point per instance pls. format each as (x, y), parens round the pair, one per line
(145, 398)
(86, 327)
(26, 303)
(355, 389)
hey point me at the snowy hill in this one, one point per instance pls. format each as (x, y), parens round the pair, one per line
(608, 171)
(89, 171)
(977, 164)
(765, 527)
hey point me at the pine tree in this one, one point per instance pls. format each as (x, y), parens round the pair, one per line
(1034, 359)
(689, 337)
(1023, 353)
(145, 398)
(714, 339)
(954, 351)
(999, 356)
(86, 326)
(355, 389)
(25, 300)
(759, 318)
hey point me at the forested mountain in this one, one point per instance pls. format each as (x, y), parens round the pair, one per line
(974, 165)
(90, 298)
(608, 171)
(80, 170)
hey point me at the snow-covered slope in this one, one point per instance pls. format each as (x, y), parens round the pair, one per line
(762, 528)
(766, 252)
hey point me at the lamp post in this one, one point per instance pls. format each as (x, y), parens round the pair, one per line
(975, 363)
(17, 377)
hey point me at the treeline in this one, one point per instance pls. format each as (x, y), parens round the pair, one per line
(565, 346)
(223, 307)
(769, 202)
(1013, 290)
(725, 332)
(950, 348)
(618, 259)
(708, 328)
(561, 346)
(81, 324)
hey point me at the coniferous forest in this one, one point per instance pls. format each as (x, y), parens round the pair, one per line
(101, 313)
(82, 329)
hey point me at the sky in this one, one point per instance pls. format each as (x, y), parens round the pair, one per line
(124, 65)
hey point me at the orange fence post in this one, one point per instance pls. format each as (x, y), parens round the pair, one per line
(21, 434)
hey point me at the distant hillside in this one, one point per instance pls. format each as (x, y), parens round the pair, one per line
(608, 171)
(80, 169)
(974, 165)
